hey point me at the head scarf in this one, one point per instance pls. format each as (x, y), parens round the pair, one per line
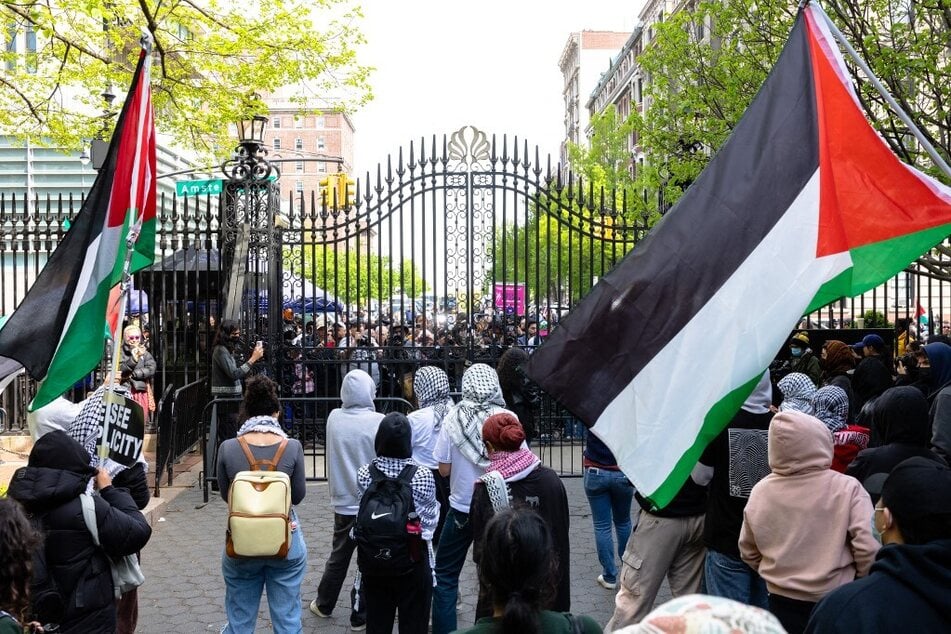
(831, 405)
(798, 393)
(87, 426)
(431, 387)
(839, 359)
(481, 397)
(939, 356)
(696, 613)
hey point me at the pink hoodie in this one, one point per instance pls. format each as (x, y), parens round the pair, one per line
(806, 529)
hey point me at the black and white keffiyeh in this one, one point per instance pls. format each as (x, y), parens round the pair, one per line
(87, 427)
(481, 397)
(423, 485)
(831, 405)
(798, 393)
(431, 387)
(267, 424)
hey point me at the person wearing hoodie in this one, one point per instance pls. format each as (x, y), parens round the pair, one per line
(462, 458)
(806, 528)
(901, 422)
(58, 471)
(351, 433)
(530, 484)
(938, 358)
(407, 595)
(736, 460)
(909, 586)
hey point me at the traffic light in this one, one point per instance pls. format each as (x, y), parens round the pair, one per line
(346, 190)
(328, 190)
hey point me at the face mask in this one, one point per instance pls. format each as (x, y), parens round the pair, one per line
(875, 532)
(924, 373)
(796, 352)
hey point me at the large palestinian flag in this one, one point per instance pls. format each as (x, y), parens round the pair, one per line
(57, 332)
(803, 204)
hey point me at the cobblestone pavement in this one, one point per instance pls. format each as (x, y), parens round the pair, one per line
(184, 591)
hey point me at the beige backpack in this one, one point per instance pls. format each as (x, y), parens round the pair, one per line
(259, 508)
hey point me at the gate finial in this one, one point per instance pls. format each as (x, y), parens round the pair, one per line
(468, 147)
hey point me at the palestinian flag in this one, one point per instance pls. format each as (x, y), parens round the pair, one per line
(57, 332)
(803, 204)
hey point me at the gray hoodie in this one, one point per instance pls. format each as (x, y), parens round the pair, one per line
(351, 432)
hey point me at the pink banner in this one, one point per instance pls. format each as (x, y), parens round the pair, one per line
(509, 297)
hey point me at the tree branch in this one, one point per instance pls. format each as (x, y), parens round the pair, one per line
(26, 100)
(56, 36)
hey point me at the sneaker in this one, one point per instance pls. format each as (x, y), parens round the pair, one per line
(317, 611)
(607, 585)
(358, 627)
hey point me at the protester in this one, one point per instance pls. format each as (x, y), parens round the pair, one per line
(18, 540)
(58, 471)
(707, 614)
(802, 359)
(798, 392)
(245, 578)
(521, 394)
(666, 543)
(137, 369)
(910, 374)
(737, 457)
(909, 585)
(407, 595)
(831, 405)
(226, 376)
(938, 358)
(351, 433)
(522, 480)
(805, 528)
(609, 494)
(517, 572)
(431, 387)
(837, 366)
(872, 375)
(462, 458)
(900, 422)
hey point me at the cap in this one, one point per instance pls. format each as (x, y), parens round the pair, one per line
(918, 487)
(871, 340)
(800, 338)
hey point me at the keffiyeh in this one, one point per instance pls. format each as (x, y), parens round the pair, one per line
(700, 613)
(481, 397)
(831, 405)
(431, 387)
(798, 393)
(87, 427)
(267, 424)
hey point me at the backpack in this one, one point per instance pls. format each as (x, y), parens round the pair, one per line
(259, 508)
(387, 530)
(46, 603)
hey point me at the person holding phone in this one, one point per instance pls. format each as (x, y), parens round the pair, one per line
(226, 376)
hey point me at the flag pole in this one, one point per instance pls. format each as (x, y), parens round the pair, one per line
(135, 227)
(880, 87)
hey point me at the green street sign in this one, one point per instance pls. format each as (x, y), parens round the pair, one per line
(199, 188)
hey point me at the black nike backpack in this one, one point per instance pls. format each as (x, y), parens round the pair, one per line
(387, 526)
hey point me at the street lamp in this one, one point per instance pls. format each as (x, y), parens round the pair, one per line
(251, 131)
(249, 162)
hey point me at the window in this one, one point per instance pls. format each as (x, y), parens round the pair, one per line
(298, 143)
(298, 122)
(322, 167)
(321, 123)
(30, 49)
(11, 48)
(299, 165)
(277, 144)
(320, 143)
(277, 123)
(299, 186)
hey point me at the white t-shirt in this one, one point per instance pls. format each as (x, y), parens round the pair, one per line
(424, 439)
(463, 475)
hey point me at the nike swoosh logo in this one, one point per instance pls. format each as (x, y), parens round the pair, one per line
(374, 516)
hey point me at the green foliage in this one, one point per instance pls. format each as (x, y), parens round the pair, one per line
(876, 319)
(210, 58)
(341, 273)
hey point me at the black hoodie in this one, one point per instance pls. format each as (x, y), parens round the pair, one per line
(907, 590)
(57, 472)
(900, 420)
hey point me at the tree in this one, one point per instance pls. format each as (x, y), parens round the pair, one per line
(342, 272)
(210, 58)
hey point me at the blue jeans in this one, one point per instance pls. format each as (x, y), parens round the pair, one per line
(729, 577)
(246, 578)
(450, 557)
(609, 494)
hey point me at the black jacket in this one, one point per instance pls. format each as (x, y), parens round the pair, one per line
(140, 372)
(48, 487)
(907, 590)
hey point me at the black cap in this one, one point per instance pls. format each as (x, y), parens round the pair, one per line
(918, 487)
(394, 438)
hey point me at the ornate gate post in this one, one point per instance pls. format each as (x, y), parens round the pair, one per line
(250, 252)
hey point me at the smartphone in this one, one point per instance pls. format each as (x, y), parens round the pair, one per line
(260, 344)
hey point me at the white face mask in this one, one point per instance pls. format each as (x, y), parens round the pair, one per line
(875, 532)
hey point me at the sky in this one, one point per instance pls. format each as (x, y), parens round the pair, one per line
(443, 64)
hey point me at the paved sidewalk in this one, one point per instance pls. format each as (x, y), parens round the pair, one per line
(184, 591)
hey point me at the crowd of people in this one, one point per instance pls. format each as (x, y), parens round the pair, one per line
(824, 506)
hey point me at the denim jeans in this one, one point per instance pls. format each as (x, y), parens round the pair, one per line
(335, 572)
(609, 494)
(450, 557)
(729, 577)
(246, 578)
